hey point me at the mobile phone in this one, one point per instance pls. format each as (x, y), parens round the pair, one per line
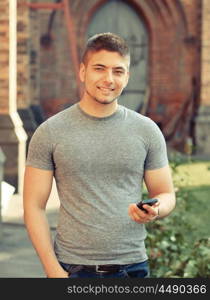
(150, 202)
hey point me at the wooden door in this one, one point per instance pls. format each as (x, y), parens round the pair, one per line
(118, 17)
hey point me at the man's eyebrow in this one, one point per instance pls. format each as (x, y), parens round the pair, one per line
(99, 65)
(116, 68)
(119, 68)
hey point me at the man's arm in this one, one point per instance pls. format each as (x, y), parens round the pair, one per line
(37, 188)
(159, 185)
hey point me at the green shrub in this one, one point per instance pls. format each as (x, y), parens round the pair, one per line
(173, 251)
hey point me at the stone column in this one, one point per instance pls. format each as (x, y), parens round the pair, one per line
(12, 135)
(203, 118)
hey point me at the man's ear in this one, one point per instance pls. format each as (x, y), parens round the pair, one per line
(82, 72)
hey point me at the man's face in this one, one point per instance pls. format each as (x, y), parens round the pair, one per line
(105, 74)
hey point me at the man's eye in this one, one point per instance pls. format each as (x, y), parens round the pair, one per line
(98, 69)
(118, 72)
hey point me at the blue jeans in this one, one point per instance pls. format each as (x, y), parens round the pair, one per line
(139, 270)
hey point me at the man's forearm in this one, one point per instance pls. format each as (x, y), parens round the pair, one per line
(167, 204)
(39, 233)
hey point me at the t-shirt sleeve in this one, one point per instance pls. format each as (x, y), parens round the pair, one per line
(40, 154)
(157, 152)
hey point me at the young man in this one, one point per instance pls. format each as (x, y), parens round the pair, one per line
(99, 153)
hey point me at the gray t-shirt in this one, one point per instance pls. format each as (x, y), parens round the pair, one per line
(98, 165)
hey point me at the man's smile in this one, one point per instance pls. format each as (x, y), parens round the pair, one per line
(105, 89)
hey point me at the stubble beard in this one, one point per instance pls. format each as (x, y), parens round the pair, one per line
(102, 101)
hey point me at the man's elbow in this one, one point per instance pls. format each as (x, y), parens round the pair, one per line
(31, 210)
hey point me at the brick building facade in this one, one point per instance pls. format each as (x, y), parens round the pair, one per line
(49, 45)
(12, 134)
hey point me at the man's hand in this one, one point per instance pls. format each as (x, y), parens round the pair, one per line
(142, 217)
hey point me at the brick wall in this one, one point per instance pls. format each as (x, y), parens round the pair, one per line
(4, 56)
(4, 92)
(57, 77)
(23, 98)
(12, 134)
(22, 55)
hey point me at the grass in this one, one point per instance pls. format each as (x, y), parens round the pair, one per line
(194, 174)
(194, 178)
(199, 211)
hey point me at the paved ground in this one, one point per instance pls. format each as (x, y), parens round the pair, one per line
(18, 259)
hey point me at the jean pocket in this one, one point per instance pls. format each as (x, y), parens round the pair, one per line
(138, 270)
(65, 266)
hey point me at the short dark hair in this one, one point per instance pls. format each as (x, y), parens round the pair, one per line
(106, 41)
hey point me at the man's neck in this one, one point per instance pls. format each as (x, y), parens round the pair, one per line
(96, 109)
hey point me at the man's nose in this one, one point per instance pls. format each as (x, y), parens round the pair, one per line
(108, 77)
